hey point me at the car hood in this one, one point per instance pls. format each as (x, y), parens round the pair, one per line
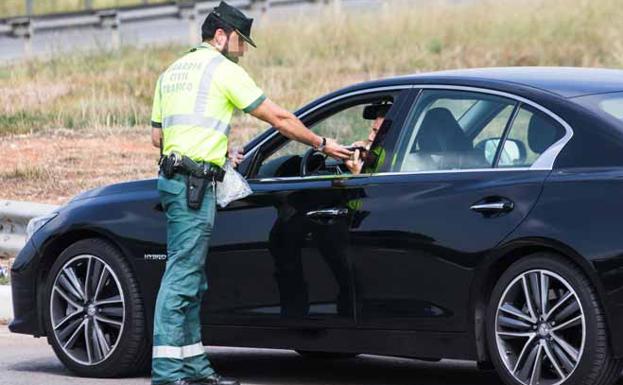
(117, 188)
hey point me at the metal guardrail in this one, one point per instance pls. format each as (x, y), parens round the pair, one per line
(110, 19)
(14, 217)
(25, 26)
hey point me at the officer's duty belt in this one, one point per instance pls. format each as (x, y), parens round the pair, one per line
(170, 164)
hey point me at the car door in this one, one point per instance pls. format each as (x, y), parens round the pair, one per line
(281, 257)
(467, 168)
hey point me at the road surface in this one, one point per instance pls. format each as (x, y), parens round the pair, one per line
(25, 360)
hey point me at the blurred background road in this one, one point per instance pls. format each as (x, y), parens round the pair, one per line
(141, 33)
(28, 361)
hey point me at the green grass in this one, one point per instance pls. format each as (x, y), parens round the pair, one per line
(5, 280)
(9, 8)
(304, 58)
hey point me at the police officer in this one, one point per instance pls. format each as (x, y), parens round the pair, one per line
(193, 105)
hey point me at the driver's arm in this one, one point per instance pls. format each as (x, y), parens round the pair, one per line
(291, 127)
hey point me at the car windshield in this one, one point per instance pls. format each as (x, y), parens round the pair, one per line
(611, 103)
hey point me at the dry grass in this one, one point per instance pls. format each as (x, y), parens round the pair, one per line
(302, 59)
(10, 8)
(109, 94)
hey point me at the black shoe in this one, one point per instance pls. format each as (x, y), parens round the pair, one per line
(215, 379)
(179, 382)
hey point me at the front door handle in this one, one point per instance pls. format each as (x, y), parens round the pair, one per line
(498, 206)
(327, 213)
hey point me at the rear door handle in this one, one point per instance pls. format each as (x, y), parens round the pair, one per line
(327, 213)
(501, 205)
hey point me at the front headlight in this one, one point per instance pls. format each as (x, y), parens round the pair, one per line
(36, 223)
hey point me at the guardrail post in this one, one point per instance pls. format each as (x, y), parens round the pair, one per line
(22, 28)
(29, 7)
(337, 5)
(262, 5)
(188, 11)
(109, 19)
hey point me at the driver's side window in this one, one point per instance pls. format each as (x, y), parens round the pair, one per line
(347, 126)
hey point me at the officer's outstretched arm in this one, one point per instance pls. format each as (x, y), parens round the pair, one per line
(290, 126)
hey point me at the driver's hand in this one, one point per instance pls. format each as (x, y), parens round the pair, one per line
(335, 150)
(355, 163)
(360, 143)
(235, 156)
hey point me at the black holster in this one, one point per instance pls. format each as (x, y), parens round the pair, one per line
(197, 176)
(195, 190)
(168, 165)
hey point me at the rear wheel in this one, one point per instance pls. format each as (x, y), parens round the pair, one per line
(545, 326)
(93, 311)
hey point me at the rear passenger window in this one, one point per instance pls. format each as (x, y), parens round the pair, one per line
(451, 129)
(532, 132)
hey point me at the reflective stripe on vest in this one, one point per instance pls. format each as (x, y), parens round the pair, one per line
(197, 118)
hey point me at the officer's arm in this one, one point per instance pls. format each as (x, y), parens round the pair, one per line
(156, 136)
(285, 122)
(291, 127)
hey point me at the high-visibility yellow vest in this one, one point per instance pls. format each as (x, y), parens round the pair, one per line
(194, 101)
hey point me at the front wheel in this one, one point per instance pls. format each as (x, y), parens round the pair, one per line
(545, 326)
(93, 312)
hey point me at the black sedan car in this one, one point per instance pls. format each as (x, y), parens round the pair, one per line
(484, 227)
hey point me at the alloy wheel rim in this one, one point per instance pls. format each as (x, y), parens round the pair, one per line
(87, 309)
(540, 328)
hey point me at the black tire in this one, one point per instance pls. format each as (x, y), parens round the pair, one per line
(595, 365)
(130, 354)
(325, 355)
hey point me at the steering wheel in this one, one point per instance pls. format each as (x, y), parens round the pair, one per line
(312, 161)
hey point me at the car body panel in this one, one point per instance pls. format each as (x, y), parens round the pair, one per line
(431, 293)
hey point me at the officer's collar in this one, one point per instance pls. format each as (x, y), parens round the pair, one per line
(209, 46)
(202, 46)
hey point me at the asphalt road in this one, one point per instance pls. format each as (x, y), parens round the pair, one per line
(25, 360)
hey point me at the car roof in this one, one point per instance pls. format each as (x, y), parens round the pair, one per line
(567, 82)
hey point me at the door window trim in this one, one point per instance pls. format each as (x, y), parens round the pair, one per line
(311, 111)
(329, 101)
(544, 162)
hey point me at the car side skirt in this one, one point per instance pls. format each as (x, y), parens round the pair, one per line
(364, 341)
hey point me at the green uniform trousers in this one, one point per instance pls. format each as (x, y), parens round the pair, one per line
(178, 352)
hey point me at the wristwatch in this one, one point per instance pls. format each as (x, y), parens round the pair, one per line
(322, 145)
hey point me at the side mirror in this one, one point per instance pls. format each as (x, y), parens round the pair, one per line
(513, 153)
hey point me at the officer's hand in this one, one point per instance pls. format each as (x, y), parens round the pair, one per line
(335, 150)
(235, 155)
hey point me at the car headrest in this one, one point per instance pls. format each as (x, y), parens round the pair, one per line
(441, 132)
(542, 133)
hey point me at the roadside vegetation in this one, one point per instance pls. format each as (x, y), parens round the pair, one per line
(109, 93)
(9, 8)
(301, 59)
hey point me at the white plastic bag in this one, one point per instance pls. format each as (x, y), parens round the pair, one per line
(233, 186)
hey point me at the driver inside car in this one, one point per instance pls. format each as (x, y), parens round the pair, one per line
(367, 158)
